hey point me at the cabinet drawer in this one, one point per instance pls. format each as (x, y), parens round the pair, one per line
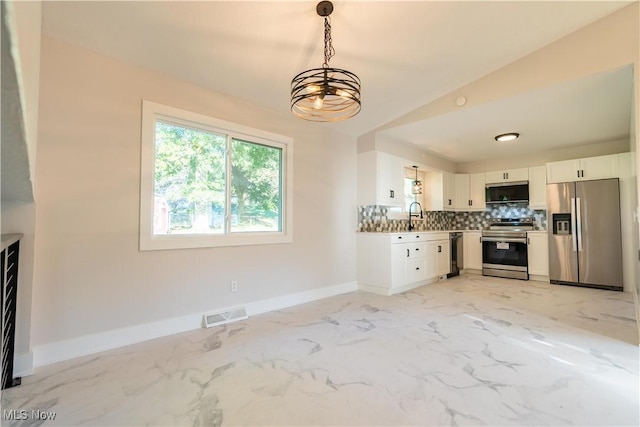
(408, 237)
(416, 270)
(416, 250)
(418, 237)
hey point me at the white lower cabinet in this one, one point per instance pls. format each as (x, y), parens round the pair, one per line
(443, 257)
(392, 263)
(472, 250)
(538, 255)
(408, 263)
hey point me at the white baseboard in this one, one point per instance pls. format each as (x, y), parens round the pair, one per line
(411, 286)
(397, 290)
(58, 351)
(539, 278)
(374, 289)
(278, 303)
(23, 364)
(89, 344)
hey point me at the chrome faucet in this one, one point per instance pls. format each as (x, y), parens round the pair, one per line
(414, 214)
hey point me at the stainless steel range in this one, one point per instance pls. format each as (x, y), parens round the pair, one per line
(504, 248)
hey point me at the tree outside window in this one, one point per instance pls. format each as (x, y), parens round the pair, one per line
(207, 182)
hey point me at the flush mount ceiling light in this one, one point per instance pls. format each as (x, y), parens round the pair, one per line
(325, 94)
(507, 137)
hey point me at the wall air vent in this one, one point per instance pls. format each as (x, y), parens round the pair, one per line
(225, 316)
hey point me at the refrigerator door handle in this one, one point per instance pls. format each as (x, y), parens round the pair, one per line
(573, 219)
(578, 224)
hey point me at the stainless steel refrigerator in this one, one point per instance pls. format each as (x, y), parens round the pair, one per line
(585, 245)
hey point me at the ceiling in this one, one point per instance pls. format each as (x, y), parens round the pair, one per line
(584, 111)
(407, 54)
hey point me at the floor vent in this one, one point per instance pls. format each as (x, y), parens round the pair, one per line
(226, 316)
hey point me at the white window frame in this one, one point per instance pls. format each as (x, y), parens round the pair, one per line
(401, 212)
(151, 112)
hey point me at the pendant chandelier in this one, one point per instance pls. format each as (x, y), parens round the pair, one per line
(417, 185)
(325, 94)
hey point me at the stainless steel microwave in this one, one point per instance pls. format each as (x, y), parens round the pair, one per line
(507, 192)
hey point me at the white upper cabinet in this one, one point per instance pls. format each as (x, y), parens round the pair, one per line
(448, 191)
(538, 187)
(507, 175)
(461, 199)
(380, 179)
(600, 167)
(477, 191)
(469, 192)
(440, 194)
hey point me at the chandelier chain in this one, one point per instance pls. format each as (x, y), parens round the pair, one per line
(329, 51)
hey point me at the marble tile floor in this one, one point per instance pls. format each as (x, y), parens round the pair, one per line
(470, 350)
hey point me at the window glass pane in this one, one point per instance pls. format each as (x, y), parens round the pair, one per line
(409, 197)
(256, 187)
(189, 180)
(409, 179)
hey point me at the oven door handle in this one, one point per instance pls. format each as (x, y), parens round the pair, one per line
(505, 240)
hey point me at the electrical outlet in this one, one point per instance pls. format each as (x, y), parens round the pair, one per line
(234, 286)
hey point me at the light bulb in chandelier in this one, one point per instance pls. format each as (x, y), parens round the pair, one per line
(319, 102)
(313, 89)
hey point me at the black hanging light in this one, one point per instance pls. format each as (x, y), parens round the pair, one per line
(417, 185)
(325, 94)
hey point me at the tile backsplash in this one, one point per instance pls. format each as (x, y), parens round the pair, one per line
(373, 218)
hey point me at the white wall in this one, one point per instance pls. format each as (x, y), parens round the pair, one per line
(24, 22)
(90, 278)
(634, 144)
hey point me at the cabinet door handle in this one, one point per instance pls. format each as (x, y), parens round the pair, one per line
(578, 171)
(417, 249)
(399, 237)
(582, 172)
(391, 194)
(407, 253)
(439, 248)
(417, 268)
(528, 240)
(449, 202)
(417, 236)
(480, 239)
